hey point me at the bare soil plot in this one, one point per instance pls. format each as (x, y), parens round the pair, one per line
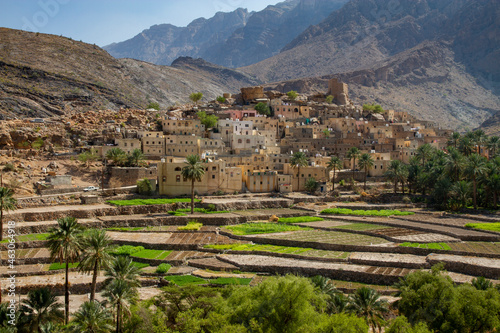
(443, 220)
(271, 211)
(213, 264)
(186, 238)
(476, 247)
(389, 259)
(329, 237)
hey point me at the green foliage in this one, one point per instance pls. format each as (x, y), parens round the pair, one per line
(198, 210)
(311, 185)
(151, 254)
(9, 167)
(29, 238)
(431, 246)
(401, 325)
(262, 228)
(221, 99)
(373, 108)
(141, 202)
(153, 105)
(292, 95)
(56, 266)
(196, 97)
(139, 265)
(127, 250)
(184, 280)
(192, 225)
(88, 156)
(299, 219)
(263, 109)
(495, 226)
(329, 99)
(209, 121)
(259, 247)
(163, 268)
(231, 281)
(144, 187)
(346, 211)
(38, 143)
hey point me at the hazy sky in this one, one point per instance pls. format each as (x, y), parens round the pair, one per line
(105, 21)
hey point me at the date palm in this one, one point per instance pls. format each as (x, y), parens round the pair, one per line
(334, 164)
(7, 202)
(194, 171)
(454, 164)
(120, 294)
(454, 140)
(460, 192)
(366, 162)
(397, 173)
(39, 308)
(298, 160)
(96, 255)
(353, 154)
(424, 153)
(466, 145)
(474, 169)
(493, 145)
(118, 156)
(65, 245)
(122, 268)
(136, 157)
(92, 317)
(366, 303)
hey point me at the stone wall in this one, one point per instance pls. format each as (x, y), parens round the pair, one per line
(252, 93)
(130, 176)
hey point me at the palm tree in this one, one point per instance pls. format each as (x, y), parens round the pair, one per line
(7, 202)
(120, 294)
(334, 164)
(122, 268)
(424, 153)
(397, 173)
(96, 255)
(366, 162)
(460, 191)
(64, 243)
(480, 283)
(193, 171)
(491, 180)
(493, 145)
(117, 155)
(324, 284)
(136, 157)
(454, 163)
(92, 317)
(454, 140)
(353, 154)
(299, 159)
(39, 308)
(466, 145)
(479, 138)
(475, 168)
(366, 303)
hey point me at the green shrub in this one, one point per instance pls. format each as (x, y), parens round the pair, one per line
(192, 225)
(127, 250)
(183, 280)
(163, 268)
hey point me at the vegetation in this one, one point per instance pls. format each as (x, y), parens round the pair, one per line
(298, 160)
(153, 105)
(221, 99)
(192, 225)
(184, 280)
(262, 228)
(196, 97)
(127, 250)
(39, 309)
(29, 238)
(431, 246)
(88, 156)
(353, 154)
(93, 317)
(65, 245)
(300, 219)
(311, 185)
(194, 171)
(9, 167)
(140, 202)
(163, 268)
(484, 226)
(57, 266)
(292, 95)
(346, 211)
(373, 108)
(397, 173)
(144, 187)
(151, 254)
(263, 109)
(366, 162)
(329, 99)
(7, 202)
(209, 121)
(334, 164)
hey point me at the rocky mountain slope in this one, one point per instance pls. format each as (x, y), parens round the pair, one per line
(231, 39)
(43, 75)
(162, 44)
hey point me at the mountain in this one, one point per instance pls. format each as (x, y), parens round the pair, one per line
(232, 39)
(440, 57)
(43, 75)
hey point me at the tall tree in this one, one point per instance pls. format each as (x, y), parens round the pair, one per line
(92, 317)
(454, 164)
(96, 255)
(298, 160)
(118, 156)
(475, 168)
(136, 157)
(39, 308)
(196, 97)
(122, 268)
(353, 154)
(7, 202)
(366, 162)
(460, 192)
(397, 173)
(120, 294)
(424, 153)
(65, 245)
(366, 303)
(334, 164)
(493, 145)
(466, 145)
(454, 140)
(194, 171)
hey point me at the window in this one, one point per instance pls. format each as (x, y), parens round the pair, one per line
(164, 179)
(213, 176)
(178, 178)
(248, 140)
(178, 169)
(214, 168)
(240, 141)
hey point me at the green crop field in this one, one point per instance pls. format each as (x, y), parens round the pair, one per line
(184, 280)
(431, 246)
(55, 266)
(360, 226)
(332, 237)
(484, 226)
(346, 211)
(262, 228)
(28, 238)
(141, 202)
(300, 219)
(151, 254)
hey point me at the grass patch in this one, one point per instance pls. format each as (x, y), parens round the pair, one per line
(163, 268)
(140, 202)
(139, 264)
(191, 226)
(484, 226)
(28, 238)
(176, 213)
(231, 281)
(125, 229)
(430, 246)
(184, 280)
(55, 266)
(197, 210)
(300, 219)
(151, 254)
(262, 228)
(359, 212)
(128, 250)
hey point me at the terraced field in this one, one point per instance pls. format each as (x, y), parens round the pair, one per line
(329, 237)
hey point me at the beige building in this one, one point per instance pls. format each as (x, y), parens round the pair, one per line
(217, 178)
(299, 179)
(172, 126)
(127, 145)
(153, 146)
(261, 181)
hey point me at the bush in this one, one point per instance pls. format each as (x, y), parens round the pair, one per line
(153, 105)
(163, 268)
(144, 186)
(192, 225)
(128, 250)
